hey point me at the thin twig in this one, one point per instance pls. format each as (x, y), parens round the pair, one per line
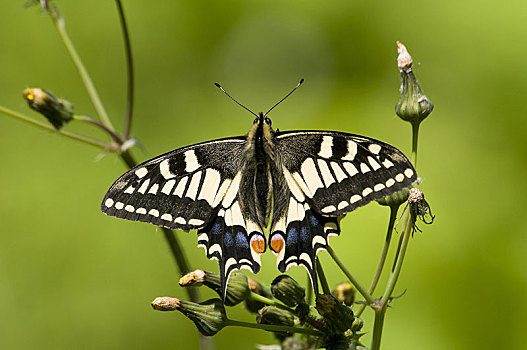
(322, 277)
(352, 279)
(71, 135)
(384, 254)
(274, 328)
(129, 71)
(88, 83)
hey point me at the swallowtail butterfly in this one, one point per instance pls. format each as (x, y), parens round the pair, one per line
(299, 184)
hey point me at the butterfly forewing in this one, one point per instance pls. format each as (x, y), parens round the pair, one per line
(340, 172)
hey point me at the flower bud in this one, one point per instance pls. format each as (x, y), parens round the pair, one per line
(413, 106)
(344, 293)
(338, 316)
(58, 111)
(419, 208)
(357, 325)
(395, 199)
(287, 290)
(257, 288)
(208, 316)
(237, 287)
(276, 316)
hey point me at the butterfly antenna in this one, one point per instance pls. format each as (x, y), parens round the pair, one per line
(238, 103)
(286, 96)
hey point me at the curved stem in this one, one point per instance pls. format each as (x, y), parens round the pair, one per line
(384, 254)
(351, 278)
(86, 79)
(41, 125)
(274, 328)
(322, 277)
(86, 119)
(129, 72)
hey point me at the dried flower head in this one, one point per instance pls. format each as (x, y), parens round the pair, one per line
(419, 208)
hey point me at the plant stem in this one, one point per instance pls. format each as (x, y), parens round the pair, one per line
(86, 119)
(377, 329)
(88, 83)
(322, 277)
(274, 328)
(129, 72)
(384, 254)
(380, 312)
(309, 289)
(265, 300)
(41, 125)
(352, 279)
(415, 136)
(398, 260)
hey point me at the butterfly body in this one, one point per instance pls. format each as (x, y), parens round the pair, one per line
(296, 184)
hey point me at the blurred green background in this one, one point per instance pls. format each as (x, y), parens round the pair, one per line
(73, 278)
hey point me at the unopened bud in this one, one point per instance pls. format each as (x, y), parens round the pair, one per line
(357, 325)
(237, 287)
(208, 316)
(276, 316)
(287, 290)
(345, 293)
(58, 111)
(419, 208)
(257, 288)
(413, 106)
(339, 317)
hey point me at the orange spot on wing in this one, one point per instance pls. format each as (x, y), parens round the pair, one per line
(277, 244)
(258, 244)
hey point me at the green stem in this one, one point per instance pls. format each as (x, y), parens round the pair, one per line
(381, 311)
(129, 72)
(309, 290)
(41, 125)
(398, 260)
(90, 87)
(377, 329)
(86, 119)
(369, 299)
(265, 300)
(415, 136)
(384, 254)
(322, 278)
(274, 328)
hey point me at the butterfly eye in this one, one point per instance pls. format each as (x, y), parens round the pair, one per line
(255, 121)
(268, 121)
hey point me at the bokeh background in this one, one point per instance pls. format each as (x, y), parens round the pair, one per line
(72, 278)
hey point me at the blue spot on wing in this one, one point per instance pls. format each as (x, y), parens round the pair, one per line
(313, 220)
(216, 229)
(241, 240)
(228, 240)
(304, 234)
(292, 236)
